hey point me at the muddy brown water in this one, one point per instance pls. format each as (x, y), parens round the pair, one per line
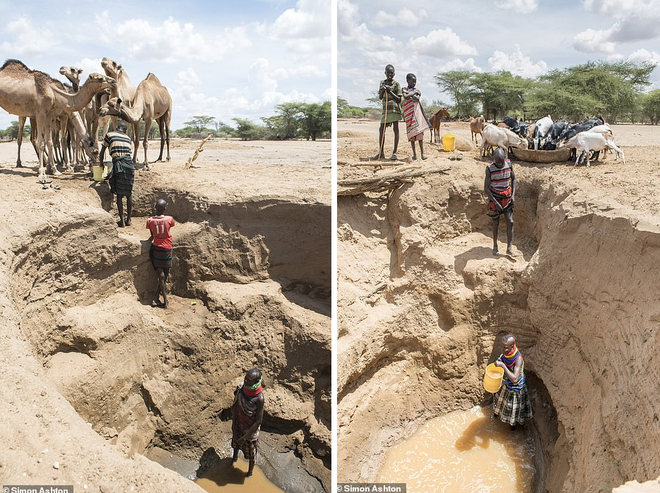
(462, 451)
(230, 478)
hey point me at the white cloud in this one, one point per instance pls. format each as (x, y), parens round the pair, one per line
(187, 78)
(521, 6)
(347, 13)
(458, 64)
(517, 63)
(298, 71)
(440, 43)
(28, 39)
(404, 17)
(309, 20)
(643, 55)
(170, 42)
(615, 8)
(591, 41)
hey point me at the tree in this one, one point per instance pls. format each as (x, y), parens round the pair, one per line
(200, 123)
(501, 93)
(650, 106)
(459, 84)
(595, 88)
(246, 130)
(317, 120)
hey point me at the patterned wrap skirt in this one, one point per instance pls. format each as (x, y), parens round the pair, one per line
(161, 258)
(512, 407)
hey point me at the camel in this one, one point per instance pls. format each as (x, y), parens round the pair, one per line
(125, 91)
(31, 93)
(152, 102)
(89, 115)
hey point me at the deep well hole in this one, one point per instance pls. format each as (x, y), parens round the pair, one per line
(250, 287)
(419, 316)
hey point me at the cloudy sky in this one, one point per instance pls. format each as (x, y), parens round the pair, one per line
(225, 59)
(525, 37)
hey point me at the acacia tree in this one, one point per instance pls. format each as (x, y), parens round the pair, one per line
(650, 106)
(200, 123)
(501, 93)
(459, 84)
(317, 119)
(590, 89)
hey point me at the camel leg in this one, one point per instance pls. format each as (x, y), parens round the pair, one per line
(19, 139)
(161, 128)
(136, 144)
(164, 130)
(145, 142)
(41, 126)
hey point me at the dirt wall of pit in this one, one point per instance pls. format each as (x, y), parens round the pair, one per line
(77, 291)
(418, 317)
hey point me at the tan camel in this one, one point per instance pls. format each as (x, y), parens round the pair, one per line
(27, 93)
(126, 92)
(73, 75)
(152, 102)
(89, 116)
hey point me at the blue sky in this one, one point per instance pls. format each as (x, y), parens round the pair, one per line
(226, 59)
(526, 37)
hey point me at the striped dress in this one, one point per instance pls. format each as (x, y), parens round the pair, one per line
(416, 123)
(123, 172)
(500, 187)
(512, 403)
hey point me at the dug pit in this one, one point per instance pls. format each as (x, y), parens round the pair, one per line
(422, 301)
(250, 287)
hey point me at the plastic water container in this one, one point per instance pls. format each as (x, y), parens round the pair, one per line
(493, 378)
(448, 141)
(97, 172)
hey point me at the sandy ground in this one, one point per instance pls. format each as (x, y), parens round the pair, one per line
(62, 242)
(419, 314)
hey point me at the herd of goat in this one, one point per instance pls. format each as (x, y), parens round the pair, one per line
(590, 136)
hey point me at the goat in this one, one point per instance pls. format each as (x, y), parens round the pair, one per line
(500, 137)
(435, 123)
(476, 126)
(586, 142)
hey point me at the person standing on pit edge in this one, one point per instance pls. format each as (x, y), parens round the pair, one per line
(413, 114)
(122, 174)
(512, 403)
(248, 414)
(160, 252)
(390, 93)
(500, 187)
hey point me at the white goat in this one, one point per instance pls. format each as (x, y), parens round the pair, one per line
(586, 142)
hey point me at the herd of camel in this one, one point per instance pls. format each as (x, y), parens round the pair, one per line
(64, 117)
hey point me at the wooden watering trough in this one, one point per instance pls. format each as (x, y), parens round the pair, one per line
(532, 156)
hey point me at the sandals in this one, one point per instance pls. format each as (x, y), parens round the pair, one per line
(157, 303)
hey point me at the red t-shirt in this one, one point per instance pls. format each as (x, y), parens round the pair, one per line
(160, 230)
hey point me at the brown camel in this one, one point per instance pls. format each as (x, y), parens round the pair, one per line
(152, 102)
(30, 93)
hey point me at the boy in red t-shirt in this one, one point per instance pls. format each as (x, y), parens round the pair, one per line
(160, 253)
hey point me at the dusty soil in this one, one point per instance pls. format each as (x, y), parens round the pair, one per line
(94, 378)
(421, 301)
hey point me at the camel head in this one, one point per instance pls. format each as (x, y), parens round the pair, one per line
(71, 73)
(103, 81)
(112, 107)
(110, 67)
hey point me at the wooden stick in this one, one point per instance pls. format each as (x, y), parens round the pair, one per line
(382, 183)
(197, 151)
